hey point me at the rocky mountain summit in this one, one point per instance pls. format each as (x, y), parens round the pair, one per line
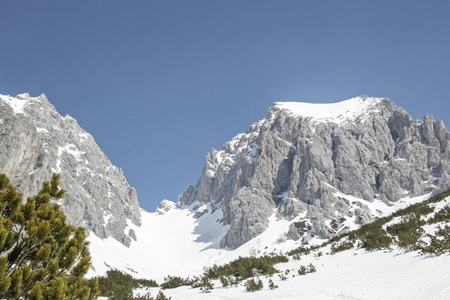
(36, 141)
(324, 168)
(321, 166)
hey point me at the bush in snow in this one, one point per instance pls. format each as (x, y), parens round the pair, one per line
(408, 231)
(172, 282)
(311, 268)
(224, 281)
(272, 285)
(439, 243)
(245, 267)
(205, 285)
(302, 270)
(252, 286)
(338, 247)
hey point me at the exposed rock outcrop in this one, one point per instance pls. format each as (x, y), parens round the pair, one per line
(300, 156)
(35, 141)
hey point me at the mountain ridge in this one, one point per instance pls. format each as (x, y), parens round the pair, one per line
(291, 161)
(288, 181)
(37, 141)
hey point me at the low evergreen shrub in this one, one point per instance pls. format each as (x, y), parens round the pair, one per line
(252, 286)
(206, 285)
(272, 285)
(408, 232)
(224, 281)
(442, 215)
(302, 270)
(375, 239)
(339, 247)
(245, 267)
(118, 285)
(171, 282)
(439, 242)
(303, 250)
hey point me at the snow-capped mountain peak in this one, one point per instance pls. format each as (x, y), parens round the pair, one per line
(303, 174)
(301, 156)
(19, 102)
(37, 141)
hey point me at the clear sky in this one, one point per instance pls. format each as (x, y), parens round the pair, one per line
(158, 83)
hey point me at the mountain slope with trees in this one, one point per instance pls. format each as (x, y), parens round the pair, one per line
(387, 259)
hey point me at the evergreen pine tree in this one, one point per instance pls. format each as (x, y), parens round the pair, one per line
(41, 256)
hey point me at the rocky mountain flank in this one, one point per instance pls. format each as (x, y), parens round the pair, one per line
(309, 162)
(36, 141)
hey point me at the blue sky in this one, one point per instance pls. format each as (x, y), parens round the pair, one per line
(158, 83)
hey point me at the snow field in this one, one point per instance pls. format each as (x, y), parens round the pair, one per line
(175, 243)
(353, 274)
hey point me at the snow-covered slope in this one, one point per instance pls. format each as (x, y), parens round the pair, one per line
(174, 242)
(351, 274)
(304, 173)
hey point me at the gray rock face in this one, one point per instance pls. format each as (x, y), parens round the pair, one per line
(35, 141)
(300, 156)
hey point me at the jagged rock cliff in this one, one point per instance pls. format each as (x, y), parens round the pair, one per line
(319, 166)
(35, 141)
(304, 161)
